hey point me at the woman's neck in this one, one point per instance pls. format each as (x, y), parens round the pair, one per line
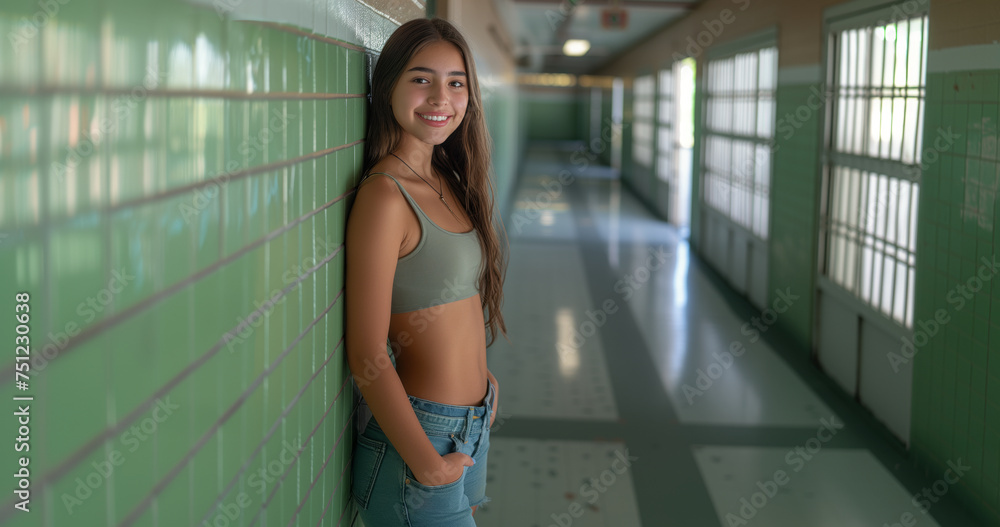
(417, 155)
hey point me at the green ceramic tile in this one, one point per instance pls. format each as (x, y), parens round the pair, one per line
(340, 72)
(337, 122)
(991, 125)
(210, 294)
(961, 123)
(213, 145)
(172, 333)
(277, 42)
(271, 131)
(256, 211)
(233, 201)
(172, 505)
(974, 137)
(293, 133)
(310, 130)
(83, 492)
(363, 118)
(77, 381)
(85, 292)
(253, 134)
(337, 180)
(356, 72)
(273, 196)
(133, 478)
(989, 85)
(305, 57)
(132, 352)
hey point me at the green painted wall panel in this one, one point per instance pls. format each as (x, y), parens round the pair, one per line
(956, 380)
(502, 107)
(551, 116)
(793, 227)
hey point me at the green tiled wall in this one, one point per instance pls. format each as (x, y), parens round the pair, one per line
(501, 107)
(165, 175)
(606, 105)
(552, 116)
(585, 114)
(794, 186)
(956, 384)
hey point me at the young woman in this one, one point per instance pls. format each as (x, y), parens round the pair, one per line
(424, 269)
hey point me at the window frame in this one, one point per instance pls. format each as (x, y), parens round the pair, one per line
(645, 119)
(859, 15)
(753, 43)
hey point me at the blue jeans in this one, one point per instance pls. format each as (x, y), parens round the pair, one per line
(384, 488)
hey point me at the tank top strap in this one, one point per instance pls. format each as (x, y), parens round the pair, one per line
(423, 217)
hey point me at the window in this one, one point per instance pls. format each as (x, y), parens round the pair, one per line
(665, 167)
(872, 183)
(739, 127)
(675, 136)
(643, 90)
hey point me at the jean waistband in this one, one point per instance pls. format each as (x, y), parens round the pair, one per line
(448, 418)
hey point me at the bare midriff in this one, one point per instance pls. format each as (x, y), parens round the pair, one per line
(441, 352)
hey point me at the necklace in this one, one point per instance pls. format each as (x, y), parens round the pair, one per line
(440, 193)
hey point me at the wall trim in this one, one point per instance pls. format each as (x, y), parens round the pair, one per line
(964, 58)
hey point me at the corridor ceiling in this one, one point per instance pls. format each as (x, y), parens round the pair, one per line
(540, 27)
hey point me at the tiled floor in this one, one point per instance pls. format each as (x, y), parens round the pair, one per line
(581, 483)
(617, 345)
(545, 320)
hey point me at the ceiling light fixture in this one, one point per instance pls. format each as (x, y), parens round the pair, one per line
(576, 47)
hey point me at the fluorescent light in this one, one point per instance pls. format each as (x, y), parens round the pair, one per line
(575, 47)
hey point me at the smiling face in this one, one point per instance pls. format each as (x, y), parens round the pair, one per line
(431, 95)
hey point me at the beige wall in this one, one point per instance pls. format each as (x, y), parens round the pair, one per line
(487, 35)
(957, 23)
(799, 24)
(953, 23)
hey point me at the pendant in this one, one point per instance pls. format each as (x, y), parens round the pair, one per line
(449, 207)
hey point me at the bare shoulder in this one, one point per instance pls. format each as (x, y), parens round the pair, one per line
(380, 185)
(378, 205)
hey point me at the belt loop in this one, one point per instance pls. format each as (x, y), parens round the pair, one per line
(470, 417)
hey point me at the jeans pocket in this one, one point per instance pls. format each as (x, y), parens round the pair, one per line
(436, 505)
(368, 454)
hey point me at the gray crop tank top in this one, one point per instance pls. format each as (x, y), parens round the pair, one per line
(444, 266)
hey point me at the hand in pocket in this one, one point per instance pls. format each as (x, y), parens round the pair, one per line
(451, 469)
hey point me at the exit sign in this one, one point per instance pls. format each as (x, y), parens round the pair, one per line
(614, 18)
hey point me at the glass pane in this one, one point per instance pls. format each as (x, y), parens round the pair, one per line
(738, 105)
(909, 133)
(768, 69)
(765, 117)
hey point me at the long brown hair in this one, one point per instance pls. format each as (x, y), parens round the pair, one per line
(466, 152)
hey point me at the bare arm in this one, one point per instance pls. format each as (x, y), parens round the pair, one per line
(375, 233)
